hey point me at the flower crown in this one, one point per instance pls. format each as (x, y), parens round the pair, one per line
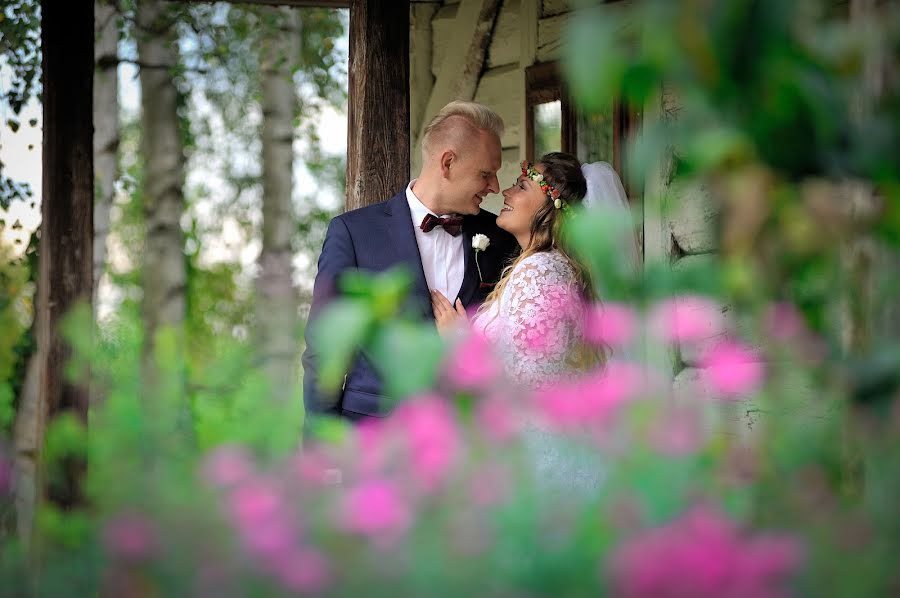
(529, 170)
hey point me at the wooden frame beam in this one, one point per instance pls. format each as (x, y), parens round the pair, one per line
(295, 3)
(67, 212)
(378, 110)
(464, 58)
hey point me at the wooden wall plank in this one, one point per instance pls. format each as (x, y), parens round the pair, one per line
(464, 57)
(378, 105)
(550, 8)
(499, 90)
(549, 37)
(442, 29)
(421, 79)
(529, 12)
(693, 215)
(506, 39)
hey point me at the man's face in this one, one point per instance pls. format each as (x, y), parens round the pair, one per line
(474, 175)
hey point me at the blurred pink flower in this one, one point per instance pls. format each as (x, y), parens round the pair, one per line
(433, 439)
(227, 465)
(593, 399)
(315, 468)
(732, 368)
(703, 555)
(609, 324)
(678, 431)
(268, 538)
(471, 363)
(373, 440)
(490, 484)
(304, 570)
(130, 536)
(783, 322)
(375, 508)
(255, 503)
(686, 318)
(496, 419)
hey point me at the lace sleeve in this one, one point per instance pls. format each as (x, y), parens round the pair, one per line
(539, 314)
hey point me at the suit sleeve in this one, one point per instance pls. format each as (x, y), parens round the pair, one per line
(338, 255)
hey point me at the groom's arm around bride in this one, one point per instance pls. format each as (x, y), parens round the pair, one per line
(427, 228)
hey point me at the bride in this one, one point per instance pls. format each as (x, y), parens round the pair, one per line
(533, 317)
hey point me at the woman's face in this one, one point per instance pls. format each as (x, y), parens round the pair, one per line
(520, 203)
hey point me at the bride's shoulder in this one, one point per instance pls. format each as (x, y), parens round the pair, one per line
(543, 262)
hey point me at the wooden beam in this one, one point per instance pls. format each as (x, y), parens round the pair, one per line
(421, 80)
(463, 58)
(378, 106)
(67, 210)
(297, 3)
(529, 13)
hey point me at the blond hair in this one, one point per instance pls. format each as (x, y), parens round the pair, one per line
(458, 122)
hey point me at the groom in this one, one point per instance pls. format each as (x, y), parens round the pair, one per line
(428, 228)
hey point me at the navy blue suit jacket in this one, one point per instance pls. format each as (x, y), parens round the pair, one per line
(374, 239)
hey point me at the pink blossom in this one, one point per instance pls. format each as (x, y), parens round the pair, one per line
(432, 436)
(495, 417)
(374, 443)
(703, 555)
(678, 431)
(130, 536)
(490, 484)
(593, 399)
(304, 570)
(686, 318)
(732, 368)
(255, 503)
(227, 465)
(783, 321)
(471, 364)
(315, 468)
(609, 324)
(375, 508)
(268, 538)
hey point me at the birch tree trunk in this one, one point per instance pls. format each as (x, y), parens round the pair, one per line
(164, 269)
(276, 297)
(106, 128)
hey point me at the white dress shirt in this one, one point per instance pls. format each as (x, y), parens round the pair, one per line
(442, 254)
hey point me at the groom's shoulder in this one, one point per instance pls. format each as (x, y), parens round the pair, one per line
(367, 213)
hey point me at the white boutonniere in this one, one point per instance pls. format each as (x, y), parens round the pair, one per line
(480, 243)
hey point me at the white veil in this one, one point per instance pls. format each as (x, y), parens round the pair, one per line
(605, 192)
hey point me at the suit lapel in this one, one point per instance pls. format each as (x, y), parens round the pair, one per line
(403, 238)
(470, 282)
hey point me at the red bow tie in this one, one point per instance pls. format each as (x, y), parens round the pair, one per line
(451, 224)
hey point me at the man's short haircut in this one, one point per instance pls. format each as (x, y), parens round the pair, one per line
(471, 115)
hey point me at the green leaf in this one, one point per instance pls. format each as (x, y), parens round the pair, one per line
(339, 332)
(408, 355)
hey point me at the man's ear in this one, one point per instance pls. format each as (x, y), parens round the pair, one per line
(448, 158)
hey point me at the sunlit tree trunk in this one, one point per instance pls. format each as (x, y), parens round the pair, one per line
(164, 268)
(276, 298)
(106, 128)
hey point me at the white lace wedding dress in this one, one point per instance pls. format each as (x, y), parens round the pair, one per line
(535, 327)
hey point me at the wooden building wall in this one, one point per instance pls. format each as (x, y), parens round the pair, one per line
(443, 34)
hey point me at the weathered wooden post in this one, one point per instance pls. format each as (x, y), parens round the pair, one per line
(67, 211)
(378, 112)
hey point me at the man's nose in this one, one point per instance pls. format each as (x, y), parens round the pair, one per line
(494, 184)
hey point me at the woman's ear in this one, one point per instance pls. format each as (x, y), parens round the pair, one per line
(448, 159)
